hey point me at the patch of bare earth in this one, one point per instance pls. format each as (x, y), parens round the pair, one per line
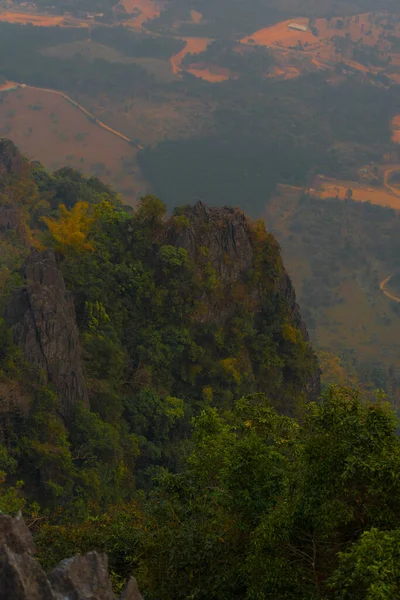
(368, 28)
(330, 188)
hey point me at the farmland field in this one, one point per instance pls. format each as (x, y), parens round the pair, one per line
(48, 128)
(26, 18)
(328, 188)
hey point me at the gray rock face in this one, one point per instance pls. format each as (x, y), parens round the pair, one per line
(42, 316)
(225, 239)
(131, 591)
(15, 534)
(21, 577)
(225, 234)
(77, 578)
(82, 578)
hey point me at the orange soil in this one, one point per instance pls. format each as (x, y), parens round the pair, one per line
(196, 16)
(58, 134)
(285, 72)
(147, 9)
(292, 73)
(327, 188)
(25, 18)
(210, 75)
(317, 63)
(193, 46)
(8, 85)
(396, 129)
(281, 35)
(321, 47)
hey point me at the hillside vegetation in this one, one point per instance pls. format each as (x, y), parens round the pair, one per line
(338, 253)
(159, 400)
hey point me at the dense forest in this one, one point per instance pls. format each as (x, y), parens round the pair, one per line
(26, 64)
(159, 400)
(274, 132)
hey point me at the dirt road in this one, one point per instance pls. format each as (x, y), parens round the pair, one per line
(77, 105)
(382, 287)
(386, 183)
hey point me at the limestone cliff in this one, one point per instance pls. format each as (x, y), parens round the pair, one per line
(42, 316)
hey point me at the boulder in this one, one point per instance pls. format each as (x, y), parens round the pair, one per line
(22, 578)
(15, 534)
(131, 591)
(82, 578)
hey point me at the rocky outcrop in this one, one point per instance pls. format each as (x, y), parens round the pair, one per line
(225, 237)
(77, 578)
(224, 232)
(42, 316)
(82, 578)
(229, 244)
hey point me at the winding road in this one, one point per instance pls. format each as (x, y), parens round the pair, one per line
(383, 289)
(386, 177)
(77, 105)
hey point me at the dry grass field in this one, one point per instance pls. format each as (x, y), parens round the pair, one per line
(48, 128)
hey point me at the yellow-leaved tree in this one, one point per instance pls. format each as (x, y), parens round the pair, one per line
(70, 230)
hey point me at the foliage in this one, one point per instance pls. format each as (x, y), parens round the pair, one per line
(264, 505)
(137, 44)
(186, 375)
(369, 570)
(71, 229)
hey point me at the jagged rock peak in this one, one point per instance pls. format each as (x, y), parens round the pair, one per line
(42, 316)
(225, 232)
(77, 578)
(247, 263)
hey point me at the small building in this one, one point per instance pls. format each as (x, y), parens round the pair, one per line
(298, 27)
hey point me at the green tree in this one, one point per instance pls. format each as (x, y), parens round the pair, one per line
(370, 569)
